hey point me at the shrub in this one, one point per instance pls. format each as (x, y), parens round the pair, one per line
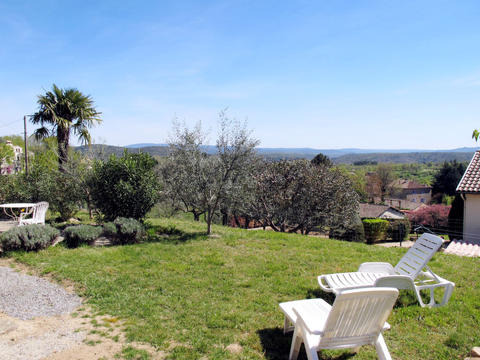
(433, 216)
(124, 231)
(375, 229)
(125, 186)
(110, 229)
(29, 237)
(398, 230)
(355, 232)
(81, 234)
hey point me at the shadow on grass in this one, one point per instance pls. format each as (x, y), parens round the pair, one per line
(276, 346)
(320, 294)
(406, 298)
(172, 235)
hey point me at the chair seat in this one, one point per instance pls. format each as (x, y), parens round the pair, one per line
(407, 274)
(351, 280)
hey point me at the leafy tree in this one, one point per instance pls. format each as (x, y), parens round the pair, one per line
(455, 218)
(298, 196)
(433, 216)
(447, 178)
(62, 111)
(183, 174)
(6, 154)
(385, 178)
(202, 183)
(126, 186)
(321, 159)
(475, 134)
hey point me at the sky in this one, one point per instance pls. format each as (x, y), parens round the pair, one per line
(319, 74)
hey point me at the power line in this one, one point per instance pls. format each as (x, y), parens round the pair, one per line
(8, 124)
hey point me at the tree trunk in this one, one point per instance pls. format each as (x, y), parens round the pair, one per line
(209, 222)
(247, 222)
(63, 137)
(196, 216)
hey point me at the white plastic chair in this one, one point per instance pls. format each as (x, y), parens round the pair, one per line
(356, 318)
(38, 215)
(407, 274)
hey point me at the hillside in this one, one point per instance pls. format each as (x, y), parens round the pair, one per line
(339, 156)
(405, 158)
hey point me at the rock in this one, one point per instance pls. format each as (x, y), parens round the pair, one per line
(234, 348)
(475, 351)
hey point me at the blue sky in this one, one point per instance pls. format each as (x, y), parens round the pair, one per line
(321, 74)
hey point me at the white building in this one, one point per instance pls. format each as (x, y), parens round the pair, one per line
(16, 165)
(469, 189)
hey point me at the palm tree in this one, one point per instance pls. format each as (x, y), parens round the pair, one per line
(63, 110)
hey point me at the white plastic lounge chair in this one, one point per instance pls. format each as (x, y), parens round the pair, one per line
(408, 274)
(38, 215)
(356, 318)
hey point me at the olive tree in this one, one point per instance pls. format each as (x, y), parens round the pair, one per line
(296, 196)
(201, 183)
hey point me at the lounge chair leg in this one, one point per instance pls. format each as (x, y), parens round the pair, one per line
(448, 292)
(296, 344)
(310, 349)
(286, 325)
(382, 350)
(419, 297)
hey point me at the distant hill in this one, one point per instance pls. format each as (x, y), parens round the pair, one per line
(405, 158)
(339, 156)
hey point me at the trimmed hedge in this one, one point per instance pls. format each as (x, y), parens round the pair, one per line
(81, 234)
(28, 237)
(375, 230)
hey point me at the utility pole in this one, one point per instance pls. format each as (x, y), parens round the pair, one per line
(26, 146)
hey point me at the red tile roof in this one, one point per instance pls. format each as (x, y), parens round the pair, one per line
(470, 182)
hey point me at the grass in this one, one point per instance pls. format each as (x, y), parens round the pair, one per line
(191, 295)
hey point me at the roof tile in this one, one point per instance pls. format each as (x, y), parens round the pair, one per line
(470, 182)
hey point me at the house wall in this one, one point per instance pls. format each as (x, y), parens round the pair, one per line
(471, 221)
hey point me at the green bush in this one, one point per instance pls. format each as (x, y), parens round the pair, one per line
(375, 229)
(28, 237)
(125, 187)
(81, 234)
(398, 230)
(129, 231)
(355, 232)
(110, 229)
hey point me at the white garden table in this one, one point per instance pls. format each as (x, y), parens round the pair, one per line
(9, 209)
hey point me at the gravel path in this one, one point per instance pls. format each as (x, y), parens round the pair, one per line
(25, 297)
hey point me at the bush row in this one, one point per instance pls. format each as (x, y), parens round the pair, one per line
(36, 237)
(28, 237)
(121, 231)
(373, 230)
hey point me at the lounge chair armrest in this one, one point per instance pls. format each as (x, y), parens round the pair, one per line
(377, 267)
(313, 322)
(395, 281)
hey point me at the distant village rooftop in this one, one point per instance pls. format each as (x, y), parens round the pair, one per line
(470, 182)
(409, 184)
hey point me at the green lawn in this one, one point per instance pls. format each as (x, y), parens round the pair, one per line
(194, 295)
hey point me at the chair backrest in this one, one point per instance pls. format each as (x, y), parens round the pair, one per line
(357, 317)
(418, 255)
(39, 212)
